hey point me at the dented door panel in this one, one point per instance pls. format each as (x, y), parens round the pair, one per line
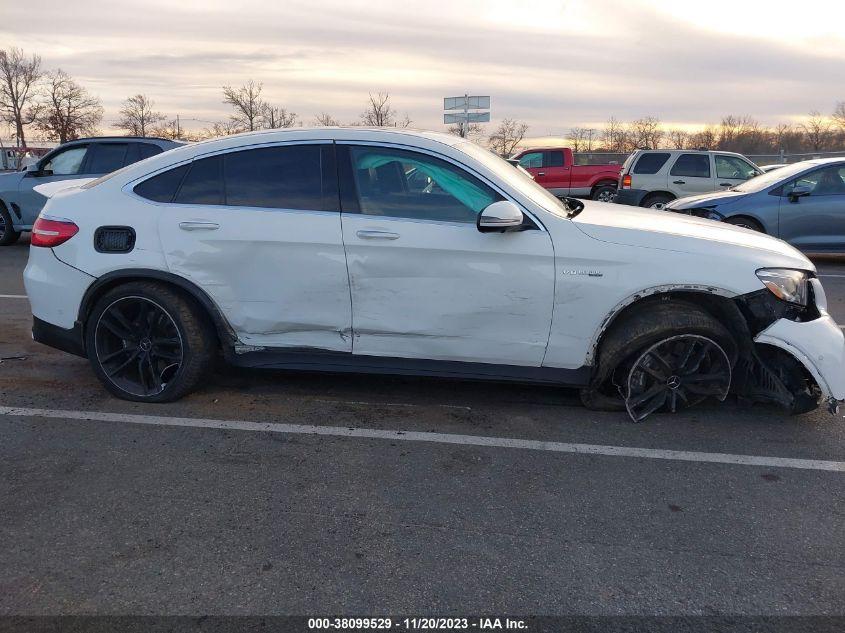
(445, 291)
(279, 276)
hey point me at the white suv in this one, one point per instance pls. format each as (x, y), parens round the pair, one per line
(391, 251)
(653, 177)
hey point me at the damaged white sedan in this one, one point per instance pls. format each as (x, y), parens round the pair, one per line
(400, 252)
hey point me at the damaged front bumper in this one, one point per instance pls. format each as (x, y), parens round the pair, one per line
(819, 345)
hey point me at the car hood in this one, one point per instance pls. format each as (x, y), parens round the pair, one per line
(712, 199)
(632, 226)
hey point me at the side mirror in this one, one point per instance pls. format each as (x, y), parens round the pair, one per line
(798, 192)
(499, 217)
(32, 168)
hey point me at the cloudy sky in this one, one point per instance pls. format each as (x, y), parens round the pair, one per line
(553, 63)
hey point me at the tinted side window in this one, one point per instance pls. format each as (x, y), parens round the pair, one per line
(106, 158)
(163, 187)
(145, 150)
(276, 177)
(204, 182)
(384, 179)
(650, 163)
(554, 159)
(692, 165)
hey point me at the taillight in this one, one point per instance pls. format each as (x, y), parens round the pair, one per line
(48, 231)
(626, 181)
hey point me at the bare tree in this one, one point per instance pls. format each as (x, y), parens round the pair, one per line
(19, 75)
(507, 136)
(325, 119)
(473, 130)
(137, 115)
(577, 139)
(817, 130)
(226, 128)
(646, 133)
(171, 129)
(839, 116)
(247, 103)
(615, 135)
(706, 138)
(67, 111)
(379, 112)
(678, 138)
(273, 117)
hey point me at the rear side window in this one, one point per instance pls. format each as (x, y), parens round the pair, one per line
(651, 163)
(107, 157)
(204, 182)
(163, 187)
(287, 177)
(692, 165)
(554, 159)
(145, 150)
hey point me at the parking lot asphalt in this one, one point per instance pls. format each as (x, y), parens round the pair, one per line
(162, 515)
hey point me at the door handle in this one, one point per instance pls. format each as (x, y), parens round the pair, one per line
(679, 182)
(377, 235)
(199, 226)
(541, 173)
(724, 184)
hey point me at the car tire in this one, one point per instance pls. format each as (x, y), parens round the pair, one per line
(147, 342)
(605, 193)
(746, 223)
(8, 235)
(639, 330)
(656, 201)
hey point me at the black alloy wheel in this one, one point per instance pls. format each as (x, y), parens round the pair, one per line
(138, 346)
(677, 372)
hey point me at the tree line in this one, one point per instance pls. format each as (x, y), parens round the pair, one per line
(742, 134)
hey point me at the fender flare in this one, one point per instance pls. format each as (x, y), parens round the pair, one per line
(225, 331)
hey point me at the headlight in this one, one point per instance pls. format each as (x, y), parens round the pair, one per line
(706, 212)
(786, 284)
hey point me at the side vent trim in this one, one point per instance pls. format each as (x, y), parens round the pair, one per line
(114, 239)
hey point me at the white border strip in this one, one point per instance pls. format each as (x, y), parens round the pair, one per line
(438, 438)
(13, 297)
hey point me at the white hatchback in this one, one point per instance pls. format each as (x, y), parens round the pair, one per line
(393, 251)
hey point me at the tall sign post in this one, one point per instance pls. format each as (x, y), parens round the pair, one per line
(471, 109)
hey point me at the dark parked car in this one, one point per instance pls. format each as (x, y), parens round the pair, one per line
(802, 203)
(83, 158)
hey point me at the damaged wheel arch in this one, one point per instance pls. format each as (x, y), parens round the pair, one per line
(736, 322)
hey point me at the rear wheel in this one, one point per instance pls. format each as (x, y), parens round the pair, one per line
(148, 343)
(656, 201)
(604, 193)
(746, 223)
(8, 234)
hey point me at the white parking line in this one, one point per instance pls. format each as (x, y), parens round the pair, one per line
(437, 438)
(13, 297)
(829, 275)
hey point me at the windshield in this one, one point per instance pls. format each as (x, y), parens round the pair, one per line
(774, 177)
(519, 179)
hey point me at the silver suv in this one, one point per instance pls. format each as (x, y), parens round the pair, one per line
(653, 177)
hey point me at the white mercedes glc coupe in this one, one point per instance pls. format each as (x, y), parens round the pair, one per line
(402, 252)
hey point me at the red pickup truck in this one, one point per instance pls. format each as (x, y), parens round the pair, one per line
(554, 168)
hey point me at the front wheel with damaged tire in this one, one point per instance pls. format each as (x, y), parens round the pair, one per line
(662, 356)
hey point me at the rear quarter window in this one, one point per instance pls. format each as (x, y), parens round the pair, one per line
(651, 163)
(163, 187)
